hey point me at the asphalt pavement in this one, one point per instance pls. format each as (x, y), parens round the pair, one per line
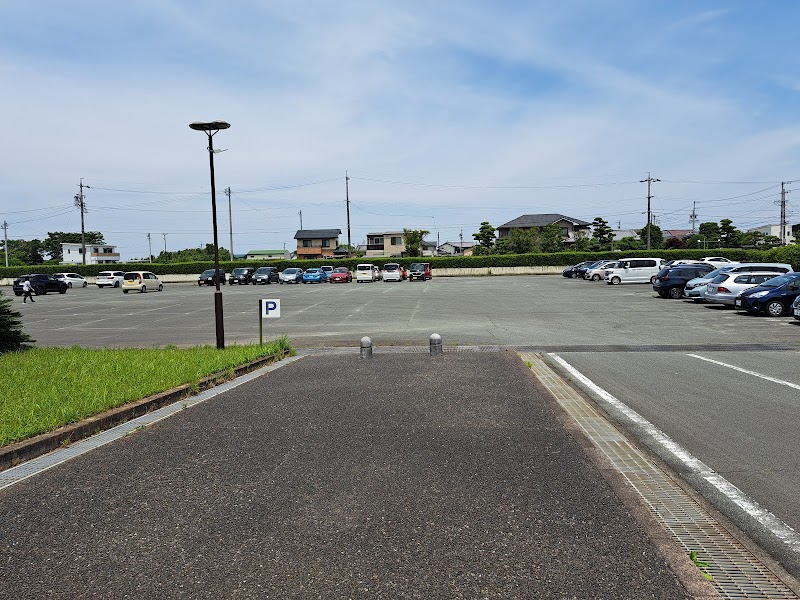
(403, 476)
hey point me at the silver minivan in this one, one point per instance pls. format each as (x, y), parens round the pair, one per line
(634, 270)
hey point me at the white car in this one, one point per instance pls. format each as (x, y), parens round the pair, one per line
(110, 279)
(72, 279)
(366, 272)
(718, 261)
(599, 272)
(392, 272)
(141, 281)
(724, 288)
(634, 270)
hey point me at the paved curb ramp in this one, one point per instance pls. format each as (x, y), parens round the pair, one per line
(401, 476)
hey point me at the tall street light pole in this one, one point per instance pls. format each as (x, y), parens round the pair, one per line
(210, 129)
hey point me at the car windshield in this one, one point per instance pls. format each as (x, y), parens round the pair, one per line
(131, 275)
(263, 270)
(312, 271)
(340, 270)
(291, 271)
(390, 267)
(105, 274)
(417, 267)
(364, 267)
(780, 280)
(720, 278)
(209, 273)
(241, 271)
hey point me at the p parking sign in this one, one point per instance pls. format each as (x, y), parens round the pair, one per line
(270, 309)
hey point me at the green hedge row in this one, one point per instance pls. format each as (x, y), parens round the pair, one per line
(786, 254)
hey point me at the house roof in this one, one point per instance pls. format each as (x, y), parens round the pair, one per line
(253, 252)
(317, 234)
(540, 221)
(460, 244)
(677, 233)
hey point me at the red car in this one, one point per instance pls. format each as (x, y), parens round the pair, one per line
(341, 274)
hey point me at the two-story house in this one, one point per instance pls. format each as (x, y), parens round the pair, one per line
(568, 225)
(316, 243)
(389, 243)
(96, 254)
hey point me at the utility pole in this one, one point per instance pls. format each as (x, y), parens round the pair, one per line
(230, 217)
(461, 238)
(301, 219)
(164, 235)
(149, 249)
(5, 239)
(649, 180)
(347, 200)
(783, 210)
(82, 206)
(693, 218)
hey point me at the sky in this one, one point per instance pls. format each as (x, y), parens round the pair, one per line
(443, 114)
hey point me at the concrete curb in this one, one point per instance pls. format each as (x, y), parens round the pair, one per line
(25, 450)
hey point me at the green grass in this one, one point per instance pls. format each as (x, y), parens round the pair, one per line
(44, 388)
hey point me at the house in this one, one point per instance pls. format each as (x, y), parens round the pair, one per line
(316, 243)
(96, 254)
(455, 249)
(776, 231)
(388, 243)
(428, 248)
(681, 234)
(624, 233)
(267, 255)
(568, 225)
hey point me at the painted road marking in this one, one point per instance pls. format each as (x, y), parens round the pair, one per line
(747, 371)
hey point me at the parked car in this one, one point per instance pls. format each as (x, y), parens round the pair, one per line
(717, 261)
(341, 274)
(291, 275)
(141, 281)
(265, 275)
(669, 283)
(570, 271)
(109, 279)
(580, 272)
(315, 276)
(634, 270)
(208, 277)
(421, 270)
(724, 288)
(328, 270)
(41, 284)
(72, 279)
(598, 272)
(241, 275)
(796, 308)
(696, 288)
(366, 272)
(392, 272)
(773, 297)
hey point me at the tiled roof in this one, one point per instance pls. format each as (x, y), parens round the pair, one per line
(317, 234)
(540, 221)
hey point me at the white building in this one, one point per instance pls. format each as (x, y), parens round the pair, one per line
(776, 231)
(96, 254)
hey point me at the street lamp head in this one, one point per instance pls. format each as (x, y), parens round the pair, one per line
(212, 126)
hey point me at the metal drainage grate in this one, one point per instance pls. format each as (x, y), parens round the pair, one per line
(737, 572)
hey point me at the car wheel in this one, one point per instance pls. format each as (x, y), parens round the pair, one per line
(62, 290)
(615, 281)
(652, 280)
(116, 284)
(595, 277)
(675, 292)
(40, 291)
(69, 285)
(774, 308)
(84, 284)
(144, 289)
(124, 291)
(160, 288)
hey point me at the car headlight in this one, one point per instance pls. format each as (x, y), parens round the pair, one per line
(759, 294)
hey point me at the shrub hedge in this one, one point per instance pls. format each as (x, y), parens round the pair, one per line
(786, 254)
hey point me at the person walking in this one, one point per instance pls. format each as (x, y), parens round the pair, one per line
(27, 291)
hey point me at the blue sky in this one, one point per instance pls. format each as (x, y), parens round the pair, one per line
(444, 114)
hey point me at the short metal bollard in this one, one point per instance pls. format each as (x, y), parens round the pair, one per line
(436, 344)
(366, 347)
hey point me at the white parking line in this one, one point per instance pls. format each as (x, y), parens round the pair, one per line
(747, 371)
(764, 517)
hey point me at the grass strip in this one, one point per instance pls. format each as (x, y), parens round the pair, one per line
(45, 388)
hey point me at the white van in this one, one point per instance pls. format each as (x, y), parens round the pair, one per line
(366, 272)
(634, 270)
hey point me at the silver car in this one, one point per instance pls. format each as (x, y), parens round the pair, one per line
(724, 288)
(696, 288)
(598, 272)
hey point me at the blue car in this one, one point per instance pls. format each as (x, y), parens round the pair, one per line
(774, 297)
(315, 276)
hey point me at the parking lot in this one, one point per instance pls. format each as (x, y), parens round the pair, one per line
(723, 385)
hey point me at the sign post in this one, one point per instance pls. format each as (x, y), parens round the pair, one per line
(268, 308)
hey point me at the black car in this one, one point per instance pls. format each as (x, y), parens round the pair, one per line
(266, 275)
(207, 277)
(774, 297)
(571, 271)
(581, 270)
(670, 282)
(41, 284)
(241, 275)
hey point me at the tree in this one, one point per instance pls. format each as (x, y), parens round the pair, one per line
(485, 236)
(413, 239)
(521, 241)
(12, 338)
(630, 243)
(656, 236)
(54, 239)
(602, 233)
(24, 252)
(501, 246)
(202, 254)
(582, 241)
(674, 243)
(552, 238)
(709, 231)
(729, 236)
